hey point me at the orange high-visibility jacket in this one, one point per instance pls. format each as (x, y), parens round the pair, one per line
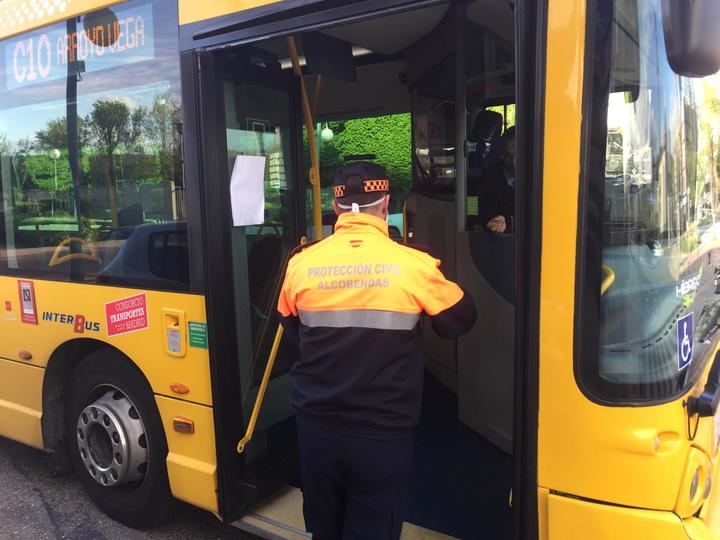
(354, 303)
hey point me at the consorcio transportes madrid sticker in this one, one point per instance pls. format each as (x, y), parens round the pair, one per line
(126, 315)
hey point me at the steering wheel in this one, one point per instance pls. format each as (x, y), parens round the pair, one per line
(273, 225)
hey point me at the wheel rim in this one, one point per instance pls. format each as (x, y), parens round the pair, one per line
(111, 440)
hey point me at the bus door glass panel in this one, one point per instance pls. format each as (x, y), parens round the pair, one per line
(259, 131)
(486, 259)
(655, 181)
(430, 205)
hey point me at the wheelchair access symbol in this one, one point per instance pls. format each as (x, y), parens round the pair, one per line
(685, 341)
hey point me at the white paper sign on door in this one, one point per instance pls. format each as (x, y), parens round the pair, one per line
(247, 190)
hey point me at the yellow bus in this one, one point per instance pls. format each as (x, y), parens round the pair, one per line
(154, 159)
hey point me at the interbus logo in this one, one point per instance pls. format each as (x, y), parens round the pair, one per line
(78, 322)
(28, 310)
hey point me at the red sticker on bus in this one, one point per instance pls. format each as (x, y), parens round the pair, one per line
(28, 309)
(126, 315)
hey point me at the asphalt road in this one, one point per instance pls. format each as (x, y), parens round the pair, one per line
(37, 507)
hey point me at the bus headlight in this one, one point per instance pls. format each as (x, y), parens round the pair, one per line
(708, 487)
(694, 483)
(694, 487)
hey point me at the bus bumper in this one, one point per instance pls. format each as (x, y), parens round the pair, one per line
(569, 519)
(191, 460)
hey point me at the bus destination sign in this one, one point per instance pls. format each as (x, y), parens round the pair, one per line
(105, 43)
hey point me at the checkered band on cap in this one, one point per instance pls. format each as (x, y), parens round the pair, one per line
(360, 177)
(376, 185)
(369, 186)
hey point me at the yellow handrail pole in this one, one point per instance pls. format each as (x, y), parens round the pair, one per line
(263, 331)
(263, 385)
(310, 127)
(261, 392)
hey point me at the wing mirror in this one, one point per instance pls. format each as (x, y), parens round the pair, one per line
(690, 28)
(706, 404)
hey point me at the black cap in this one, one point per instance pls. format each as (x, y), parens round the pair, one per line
(360, 177)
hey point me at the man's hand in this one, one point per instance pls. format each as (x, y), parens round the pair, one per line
(497, 224)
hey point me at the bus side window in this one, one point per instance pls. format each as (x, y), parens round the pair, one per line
(69, 209)
(483, 152)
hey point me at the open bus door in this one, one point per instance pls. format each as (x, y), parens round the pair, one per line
(251, 140)
(249, 106)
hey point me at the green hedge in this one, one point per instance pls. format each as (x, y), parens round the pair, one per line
(388, 138)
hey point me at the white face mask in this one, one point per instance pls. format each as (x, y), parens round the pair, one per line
(355, 207)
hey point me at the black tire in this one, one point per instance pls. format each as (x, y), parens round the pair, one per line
(141, 504)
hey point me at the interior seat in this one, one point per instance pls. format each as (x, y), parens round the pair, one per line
(484, 139)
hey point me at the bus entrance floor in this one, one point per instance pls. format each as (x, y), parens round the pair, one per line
(460, 482)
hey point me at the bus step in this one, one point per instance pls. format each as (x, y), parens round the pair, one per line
(281, 518)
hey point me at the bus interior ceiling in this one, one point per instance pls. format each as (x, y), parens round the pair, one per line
(405, 63)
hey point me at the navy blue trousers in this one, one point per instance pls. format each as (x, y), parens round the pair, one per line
(353, 487)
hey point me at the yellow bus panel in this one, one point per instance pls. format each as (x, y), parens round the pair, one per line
(191, 460)
(62, 312)
(21, 402)
(543, 495)
(195, 10)
(574, 519)
(18, 16)
(710, 513)
(630, 456)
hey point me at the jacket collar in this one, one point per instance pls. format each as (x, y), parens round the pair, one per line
(351, 223)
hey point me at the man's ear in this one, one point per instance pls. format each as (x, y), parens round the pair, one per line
(386, 204)
(337, 209)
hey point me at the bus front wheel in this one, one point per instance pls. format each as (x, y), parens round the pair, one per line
(116, 440)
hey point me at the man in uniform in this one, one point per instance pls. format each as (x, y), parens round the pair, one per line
(354, 302)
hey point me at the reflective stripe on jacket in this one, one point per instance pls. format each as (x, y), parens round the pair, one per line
(353, 302)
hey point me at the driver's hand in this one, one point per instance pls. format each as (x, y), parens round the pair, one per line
(497, 224)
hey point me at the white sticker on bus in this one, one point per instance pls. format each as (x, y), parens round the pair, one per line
(28, 309)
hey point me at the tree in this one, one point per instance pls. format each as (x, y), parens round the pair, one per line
(112, 124)
(507, 112)
(162, 123)
(6, 149)
(709, 143)
(42, 167)
(5, 145)
(55, 134)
